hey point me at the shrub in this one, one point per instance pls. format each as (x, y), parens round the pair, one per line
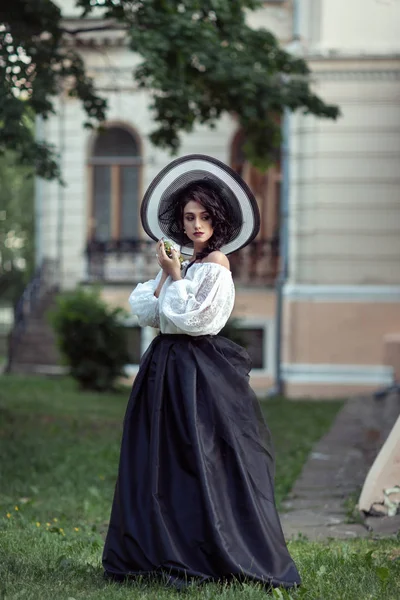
(91, 338)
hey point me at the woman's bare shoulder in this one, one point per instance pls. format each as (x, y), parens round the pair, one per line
(219, 258)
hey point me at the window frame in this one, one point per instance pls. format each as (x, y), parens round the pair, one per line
(268, 327)
(115, 163)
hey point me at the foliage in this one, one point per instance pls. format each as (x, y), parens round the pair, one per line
(199, 60)
(16, 226)
(59, 449)
(34, 66)
(91, 338)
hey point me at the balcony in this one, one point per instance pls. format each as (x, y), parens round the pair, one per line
(134, 261)
(257, 264)
(123, 261)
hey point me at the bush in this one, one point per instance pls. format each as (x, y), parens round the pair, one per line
(91, 338)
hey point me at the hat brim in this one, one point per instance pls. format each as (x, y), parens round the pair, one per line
(190, 168)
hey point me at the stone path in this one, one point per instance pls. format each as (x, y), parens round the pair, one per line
(336, 470)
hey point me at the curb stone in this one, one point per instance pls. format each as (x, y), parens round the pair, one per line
(336, 470)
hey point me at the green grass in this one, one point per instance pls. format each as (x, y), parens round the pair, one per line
(59, 452)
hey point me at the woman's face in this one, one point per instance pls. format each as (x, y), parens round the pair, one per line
(197, 223)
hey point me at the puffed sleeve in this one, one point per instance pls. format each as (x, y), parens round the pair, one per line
(144, 304)
(201, 306)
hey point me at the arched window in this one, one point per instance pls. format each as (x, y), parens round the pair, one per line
(258, 262)
(114, 165)
(264, 185)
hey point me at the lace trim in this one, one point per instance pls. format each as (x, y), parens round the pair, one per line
(203, 304)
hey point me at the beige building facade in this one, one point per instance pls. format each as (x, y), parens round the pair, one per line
(342, 294)
(342, 297)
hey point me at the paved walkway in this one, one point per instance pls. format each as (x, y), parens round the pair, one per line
(336, 470)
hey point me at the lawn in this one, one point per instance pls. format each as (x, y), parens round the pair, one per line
(59, 449)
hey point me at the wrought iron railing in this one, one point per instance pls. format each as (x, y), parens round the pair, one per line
(257, 264)
(134, 261)
(122, 261)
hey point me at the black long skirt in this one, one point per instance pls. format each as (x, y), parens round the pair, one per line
(194, 497)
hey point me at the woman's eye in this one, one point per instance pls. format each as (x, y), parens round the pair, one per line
(206, 218)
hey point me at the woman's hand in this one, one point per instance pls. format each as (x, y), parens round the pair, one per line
(170, 266)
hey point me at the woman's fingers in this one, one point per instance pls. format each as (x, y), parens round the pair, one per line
(159, 247)
(163, 254)
(169, 264)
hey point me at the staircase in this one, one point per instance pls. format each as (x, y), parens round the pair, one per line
(32, 343)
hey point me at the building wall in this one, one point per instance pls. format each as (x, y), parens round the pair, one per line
(65, 209)
(343, 294)
(345, 201)
(64, 224)
(360, 26)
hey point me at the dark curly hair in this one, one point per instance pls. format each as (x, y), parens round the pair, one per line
(213, 198)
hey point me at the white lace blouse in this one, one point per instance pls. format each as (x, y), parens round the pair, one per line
(199, 304)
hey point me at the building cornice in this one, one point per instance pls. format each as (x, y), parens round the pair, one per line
(342, 293)
(356, 74)
(368, 375)
(359, 56)
(93, 32)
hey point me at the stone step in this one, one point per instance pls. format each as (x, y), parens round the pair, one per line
(39, 354)
(38, 369)
(36, 336)
(35, 348)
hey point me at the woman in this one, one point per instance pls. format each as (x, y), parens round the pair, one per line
(194, 498)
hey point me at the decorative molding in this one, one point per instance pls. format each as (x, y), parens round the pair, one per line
(344, 207)
(345, 232)
(355, 74)
(347, 180)
(345, 130)
(349, 155)
(391, 99)
(117, 89)
(378, 375)
(342, 293)
(111, 69)
(392, 74)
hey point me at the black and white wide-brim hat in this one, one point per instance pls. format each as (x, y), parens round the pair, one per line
(240, 205)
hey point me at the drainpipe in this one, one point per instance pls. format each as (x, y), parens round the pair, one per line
(61, 190)
(39, 135)
(278, 388)
(296, 21)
